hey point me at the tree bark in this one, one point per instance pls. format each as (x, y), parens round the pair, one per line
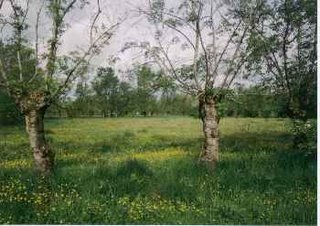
(210, 152)
(43, 155)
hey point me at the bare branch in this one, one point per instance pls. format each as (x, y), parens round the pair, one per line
(182, 33)
(223, 17)
(94, 21)
(18, 26)
(214, 53)
(236, 72)
(180, 19)
(196, 50)
(224, 51)
(19, 65)
(37, 43)
(270, 65)
(1, 3)
(26, 12)
(103, 37)
(173, 70)
(67, 9)
(284, 52)
(207, 77)
(232, 61)
(57, 23)
(172, 27)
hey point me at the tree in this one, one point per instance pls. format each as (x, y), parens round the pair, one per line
(282, 47)
(211, 35)
(34, 81)
(106, 87)
(84, 102)
(146, 79)
(124, 99)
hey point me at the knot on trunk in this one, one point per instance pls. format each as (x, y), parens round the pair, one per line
(34, 101)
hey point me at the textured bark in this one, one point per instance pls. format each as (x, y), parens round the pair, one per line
(210, 152)
(43, 156)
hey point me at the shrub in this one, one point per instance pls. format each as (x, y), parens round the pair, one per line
(305, 136)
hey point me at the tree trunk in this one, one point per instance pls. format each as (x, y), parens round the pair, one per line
(43, 156)
(210, 152)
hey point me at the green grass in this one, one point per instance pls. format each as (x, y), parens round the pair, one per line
(145, 171)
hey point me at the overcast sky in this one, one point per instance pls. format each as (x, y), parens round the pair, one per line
(76, 37)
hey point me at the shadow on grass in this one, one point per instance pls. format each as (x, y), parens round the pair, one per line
(128, 142)
(253, 141)
(254, 167)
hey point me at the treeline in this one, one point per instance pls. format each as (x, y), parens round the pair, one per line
(257, 101)
(151, 94)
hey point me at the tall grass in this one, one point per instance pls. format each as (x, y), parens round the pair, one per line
(145, 171)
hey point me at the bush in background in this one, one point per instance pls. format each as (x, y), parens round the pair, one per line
(305, 136)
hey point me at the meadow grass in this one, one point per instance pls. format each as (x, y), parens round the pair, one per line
(145, 171)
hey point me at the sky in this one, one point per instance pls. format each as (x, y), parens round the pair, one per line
(76, 36)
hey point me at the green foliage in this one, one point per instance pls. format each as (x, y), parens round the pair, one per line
(8, 55)
(106, 88)
(156, 94)
(143, 99)
(305, 136)
(282, 47)
(144, 171)
(254, 101)
(9, 114)
(153, 94)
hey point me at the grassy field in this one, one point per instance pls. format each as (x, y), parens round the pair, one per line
(145, 171)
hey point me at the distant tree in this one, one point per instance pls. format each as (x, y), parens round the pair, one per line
(257, 102)
(125, 99)
(166, 86)
(106, 88)
(84, 103)
(144, 99)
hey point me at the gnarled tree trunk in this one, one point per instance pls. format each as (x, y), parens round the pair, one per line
(43, 156)
(210, 152)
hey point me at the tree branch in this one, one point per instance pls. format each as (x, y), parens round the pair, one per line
(18, 26)
(224, 51)
(235, 73)
(1, 3)
(94, 21)
(89, 51)
(172, 69)
(67, 9)
(37, 43)
(231, 63)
